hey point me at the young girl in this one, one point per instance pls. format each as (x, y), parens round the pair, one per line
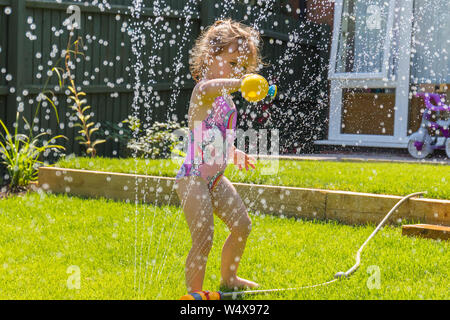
(221, 56)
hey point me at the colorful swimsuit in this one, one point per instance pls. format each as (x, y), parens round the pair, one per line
(210, 144)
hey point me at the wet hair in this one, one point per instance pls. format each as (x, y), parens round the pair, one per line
(217, 37)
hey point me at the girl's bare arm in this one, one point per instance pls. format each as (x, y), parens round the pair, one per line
(211, 89)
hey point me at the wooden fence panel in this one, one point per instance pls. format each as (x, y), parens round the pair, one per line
(3, 57)
(106, 72)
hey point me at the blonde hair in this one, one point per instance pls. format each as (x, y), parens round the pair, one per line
(219, 36)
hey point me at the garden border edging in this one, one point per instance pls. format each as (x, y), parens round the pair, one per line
(343, 206)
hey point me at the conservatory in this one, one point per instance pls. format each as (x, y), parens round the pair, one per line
(384, 52)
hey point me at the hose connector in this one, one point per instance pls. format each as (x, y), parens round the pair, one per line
(340, 275)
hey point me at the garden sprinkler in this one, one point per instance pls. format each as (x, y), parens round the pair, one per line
(218, 295)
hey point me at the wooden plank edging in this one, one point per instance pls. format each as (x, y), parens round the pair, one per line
(344, 206)
(426, 231)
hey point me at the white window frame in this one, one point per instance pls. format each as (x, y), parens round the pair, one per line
(332, 74)
(400, 82)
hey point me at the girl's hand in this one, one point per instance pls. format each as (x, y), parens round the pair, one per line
(242, 159)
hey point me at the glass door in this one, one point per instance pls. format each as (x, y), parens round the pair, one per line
(362, 40)
(369, 71)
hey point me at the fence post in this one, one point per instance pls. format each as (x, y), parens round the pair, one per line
(16, 39)
(324, 55)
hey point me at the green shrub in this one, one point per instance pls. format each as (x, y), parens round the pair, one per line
(118, 133)
(158, 141)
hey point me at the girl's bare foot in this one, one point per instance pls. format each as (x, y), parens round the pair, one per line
(239, 283)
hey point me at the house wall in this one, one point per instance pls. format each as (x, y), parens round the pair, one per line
(320, 11)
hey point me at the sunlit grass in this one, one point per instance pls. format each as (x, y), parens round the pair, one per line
(371, 177)
(129, 251)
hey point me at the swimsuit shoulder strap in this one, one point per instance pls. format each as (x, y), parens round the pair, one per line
(224, 104)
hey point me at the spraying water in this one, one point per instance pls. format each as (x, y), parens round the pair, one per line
(159, 33)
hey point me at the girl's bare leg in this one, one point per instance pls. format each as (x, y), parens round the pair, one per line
(230, 208)
(196, 203)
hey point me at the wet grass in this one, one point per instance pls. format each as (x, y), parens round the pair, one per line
(372, 177)
(134, 251)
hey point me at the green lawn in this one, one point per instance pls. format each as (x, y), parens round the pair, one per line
(129, 251)
(371, 177)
